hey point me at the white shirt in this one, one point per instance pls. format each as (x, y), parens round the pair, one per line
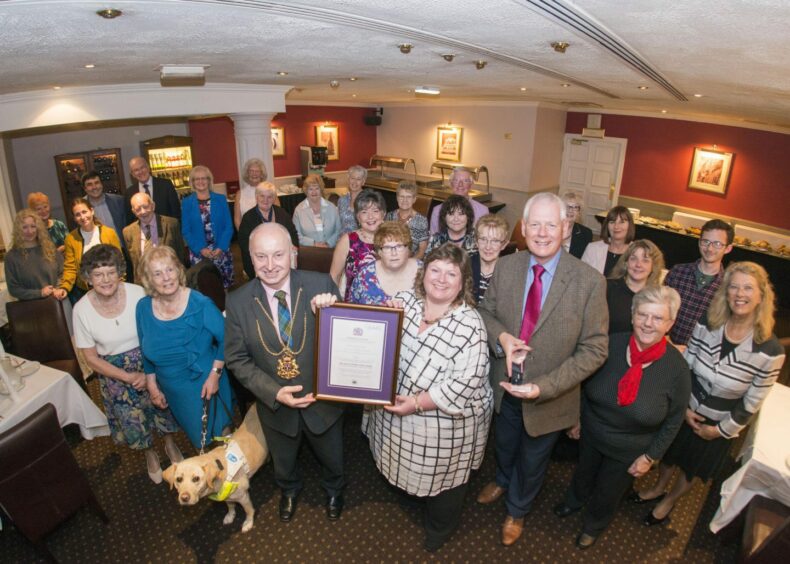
(90, 240)
(109, 336)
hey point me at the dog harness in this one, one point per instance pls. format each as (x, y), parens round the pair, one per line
(236, 462)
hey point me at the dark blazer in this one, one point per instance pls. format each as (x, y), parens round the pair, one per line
(117, 211)
(165, 199)
(252, 219)
(169, 232)
(256, 369)
(581, 236)
(568, 344)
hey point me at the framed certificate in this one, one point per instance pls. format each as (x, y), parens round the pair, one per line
(357, 353)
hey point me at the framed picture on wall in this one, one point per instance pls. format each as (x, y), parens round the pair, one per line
(710, 170)
(328, 136)
(278, 141)
(448, 143)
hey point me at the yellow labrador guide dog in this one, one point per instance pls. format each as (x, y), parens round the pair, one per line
(224, 472)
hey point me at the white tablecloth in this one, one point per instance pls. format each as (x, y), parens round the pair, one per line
(73, 405)
(766, 461)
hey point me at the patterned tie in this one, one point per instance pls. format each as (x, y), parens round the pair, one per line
(532, 307)
(145, 188)
(147, 231)
(284, 318)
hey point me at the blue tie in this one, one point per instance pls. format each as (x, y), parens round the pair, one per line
(284, 318)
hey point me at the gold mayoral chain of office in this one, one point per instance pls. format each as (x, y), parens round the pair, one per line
(287, 368)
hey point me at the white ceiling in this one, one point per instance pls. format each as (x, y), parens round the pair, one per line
(733, 52)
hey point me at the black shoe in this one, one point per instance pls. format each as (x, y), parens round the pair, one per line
(561, 510)
(585, 541)
(334, 507)
(287, 507)
(651, 519)
(634, 497)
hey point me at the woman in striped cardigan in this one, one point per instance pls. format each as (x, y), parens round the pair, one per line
(734, 359)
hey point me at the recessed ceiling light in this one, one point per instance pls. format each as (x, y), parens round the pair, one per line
(480, 64)
(405, 48)
(282, 73)
(334, 83)
(449, 57)
(353, 78)
(565, 85)
(353, 95)
(523, 88)
(109, 13)
(698, 95)
(429, 90)
(663, 111)
(560, 46)
(643, 88)
(56, 88)
(90, 66)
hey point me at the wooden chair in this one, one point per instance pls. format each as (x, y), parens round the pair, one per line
(39, 332)
(766, 534)
(517, 238)
(206, 278)
(318, 259)
(422, 205)
(41, 484)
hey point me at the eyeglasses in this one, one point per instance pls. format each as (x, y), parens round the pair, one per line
(641, 316)
(393, 249)
(486, 242)
(570, 207)
(718, 245)
(109, 275)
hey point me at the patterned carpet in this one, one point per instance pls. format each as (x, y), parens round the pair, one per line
(148, 525)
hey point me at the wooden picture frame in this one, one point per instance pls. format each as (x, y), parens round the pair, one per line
(448, 143)
(710, 170)
(328, 136)
(278, 141)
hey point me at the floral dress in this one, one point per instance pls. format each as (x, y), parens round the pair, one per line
(366, 288)
(358, 253)
(224, 262)
(417, 224)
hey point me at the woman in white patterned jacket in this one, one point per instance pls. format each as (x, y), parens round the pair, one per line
(735, 359)
(428, 443)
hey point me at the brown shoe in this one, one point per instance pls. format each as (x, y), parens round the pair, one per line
(490, 493)
(511, 530)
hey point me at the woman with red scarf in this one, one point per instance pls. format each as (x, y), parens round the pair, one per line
(631, 411)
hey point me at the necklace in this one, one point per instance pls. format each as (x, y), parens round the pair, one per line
(109, 308)
(287, 367)
(407, 218)
(161, 306)
(459, 240)
(434, 320)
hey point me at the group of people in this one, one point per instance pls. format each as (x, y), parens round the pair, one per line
(641, 371)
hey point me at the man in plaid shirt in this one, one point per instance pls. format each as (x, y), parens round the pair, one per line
(696, 282)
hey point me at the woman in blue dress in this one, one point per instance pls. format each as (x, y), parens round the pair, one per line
(182, 334)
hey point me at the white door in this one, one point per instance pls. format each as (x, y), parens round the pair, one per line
(593, 169)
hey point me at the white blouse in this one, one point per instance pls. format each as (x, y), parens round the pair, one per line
(109, 336)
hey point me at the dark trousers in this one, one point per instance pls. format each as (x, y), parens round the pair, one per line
(327, 447)
(599, 482)
(443, 514)
(521, 460)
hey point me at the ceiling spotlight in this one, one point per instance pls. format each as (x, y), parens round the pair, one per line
(523, 88)
(428, 90)
(663, 111)
(90, 66)
(353, 95)
(448, 57)
(698, 95)
(353, 78)
(405, 48)
(565, 85)
(56, 88)
(480, 64)
(334, 84)
(643, 88)
(560, 46)
(282, 73)
(109, 13)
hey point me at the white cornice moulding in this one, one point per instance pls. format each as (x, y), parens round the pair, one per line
(44, 108)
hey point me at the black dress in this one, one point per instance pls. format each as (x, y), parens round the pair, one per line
(619, 298)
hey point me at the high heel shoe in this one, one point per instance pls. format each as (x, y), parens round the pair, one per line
(173, 452)
(634, 497)
(651, 519)
(153, 466)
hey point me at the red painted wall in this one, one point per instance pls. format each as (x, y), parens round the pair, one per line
(658, 163)
(214, 146)
(214, 143)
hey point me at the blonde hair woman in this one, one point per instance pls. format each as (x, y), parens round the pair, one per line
(640, 266)
(33, 267)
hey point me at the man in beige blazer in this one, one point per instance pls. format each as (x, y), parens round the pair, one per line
(151, 229)
(568, 343)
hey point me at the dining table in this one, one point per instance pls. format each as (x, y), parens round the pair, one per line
(48, 385)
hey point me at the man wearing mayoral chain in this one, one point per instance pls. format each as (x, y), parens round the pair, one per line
(269, 340)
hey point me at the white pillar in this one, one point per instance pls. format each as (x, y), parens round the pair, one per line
(7, 206)
(254, 139)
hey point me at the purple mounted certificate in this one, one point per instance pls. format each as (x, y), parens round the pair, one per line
(356, 354)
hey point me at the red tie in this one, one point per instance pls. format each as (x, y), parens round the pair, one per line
(532, 307)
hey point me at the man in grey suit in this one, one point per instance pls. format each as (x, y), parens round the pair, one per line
(562, 330)
(269, 341)
(151, 230)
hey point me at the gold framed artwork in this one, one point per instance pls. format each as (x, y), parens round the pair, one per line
(448, 143)
(328, 136)
(278, 141)
(710, 170)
